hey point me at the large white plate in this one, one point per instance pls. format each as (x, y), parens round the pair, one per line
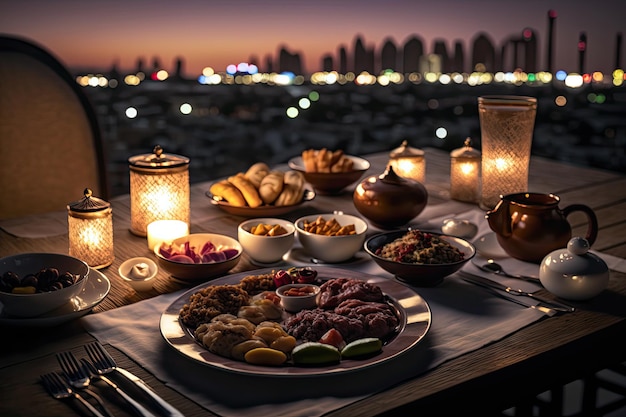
(415, 320)
(96, 289)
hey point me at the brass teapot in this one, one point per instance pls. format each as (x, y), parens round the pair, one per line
(529, 226)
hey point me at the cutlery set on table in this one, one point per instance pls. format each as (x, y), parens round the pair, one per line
(78, 380)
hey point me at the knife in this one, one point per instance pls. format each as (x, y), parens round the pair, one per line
(546, 310)
(171, 411)
(486, 282)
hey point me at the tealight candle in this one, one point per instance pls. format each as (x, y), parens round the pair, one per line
(165, 231)
(464, 169)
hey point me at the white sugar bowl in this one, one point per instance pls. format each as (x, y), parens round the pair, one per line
(574, 273)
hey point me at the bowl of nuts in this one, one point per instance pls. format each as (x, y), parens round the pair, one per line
(419, 258)
(266, 239)
(331, 237)
(32, 284)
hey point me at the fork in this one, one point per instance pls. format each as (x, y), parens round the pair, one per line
(78, 377)
(59, 389)
(93, 371)
(104, 364)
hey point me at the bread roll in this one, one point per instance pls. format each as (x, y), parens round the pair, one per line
(247, 188)
(228, 192)
(256, 173)
(293, 189)
(271, 186)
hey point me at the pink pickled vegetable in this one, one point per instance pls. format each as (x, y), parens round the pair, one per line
(185, 253)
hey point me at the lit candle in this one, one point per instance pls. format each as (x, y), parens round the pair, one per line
(90, 231)
(165, 231)
(464, 169)
(408, 162)
(159, 189)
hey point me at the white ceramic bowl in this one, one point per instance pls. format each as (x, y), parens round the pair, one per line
(332, 249)
(295, 303)
(141, 278)
(199, 272)
(263, 248)
(31, 305)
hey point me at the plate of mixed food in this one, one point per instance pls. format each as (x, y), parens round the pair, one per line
(238, 323)
(260, 192)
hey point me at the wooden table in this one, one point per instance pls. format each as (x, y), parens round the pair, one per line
(508, 372)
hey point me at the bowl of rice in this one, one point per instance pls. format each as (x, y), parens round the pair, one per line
(418, 257)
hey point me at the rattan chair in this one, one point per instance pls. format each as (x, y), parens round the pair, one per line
(50, 141)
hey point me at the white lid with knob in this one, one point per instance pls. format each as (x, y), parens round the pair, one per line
(574, 273)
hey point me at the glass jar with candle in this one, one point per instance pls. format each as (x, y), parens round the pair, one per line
(408, 162)
(90, 230)
(159, 189)
(464, 173)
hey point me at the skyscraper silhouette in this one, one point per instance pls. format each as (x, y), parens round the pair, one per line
(389, 56)
(550, 55)
(483, 53)
(413, 50)
(439, 48)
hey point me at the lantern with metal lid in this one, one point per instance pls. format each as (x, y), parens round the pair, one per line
(90, 230)
(464, 170)
(408, 162)
(159, 189)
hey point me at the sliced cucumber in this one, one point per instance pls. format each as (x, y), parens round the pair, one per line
(361, 347)
(315, 353)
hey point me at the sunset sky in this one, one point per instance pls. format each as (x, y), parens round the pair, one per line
(97, 34)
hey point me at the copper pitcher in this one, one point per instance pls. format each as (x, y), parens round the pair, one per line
(529, 226)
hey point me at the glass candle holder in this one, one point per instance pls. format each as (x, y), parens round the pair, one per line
(159, 189)
(408, 162)
(90, 231)
(506, 124)
(464, 173)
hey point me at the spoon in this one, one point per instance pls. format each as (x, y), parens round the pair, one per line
(496, 268)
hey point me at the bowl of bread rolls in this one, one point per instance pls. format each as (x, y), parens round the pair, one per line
(329, 172)
(261, 191)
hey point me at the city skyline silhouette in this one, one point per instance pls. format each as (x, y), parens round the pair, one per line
(206, 33)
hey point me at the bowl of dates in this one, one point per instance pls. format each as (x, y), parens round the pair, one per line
(32, 284)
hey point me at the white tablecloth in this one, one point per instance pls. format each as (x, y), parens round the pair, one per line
(464, 318)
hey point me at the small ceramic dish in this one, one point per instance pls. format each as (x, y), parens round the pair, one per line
(266, 248)
(296, 297)
(139, 273)
(331, 249)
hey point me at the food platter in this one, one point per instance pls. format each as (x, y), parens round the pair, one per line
(262, 211)
(95, 290)
(414, 312)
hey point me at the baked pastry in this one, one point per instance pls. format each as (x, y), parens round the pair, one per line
(228, 192)
(271, 186)
(293, 189)
(326, 161)
(247, 188)
(256, 173)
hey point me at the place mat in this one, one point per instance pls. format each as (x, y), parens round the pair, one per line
(37, 226)
(464, 318)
